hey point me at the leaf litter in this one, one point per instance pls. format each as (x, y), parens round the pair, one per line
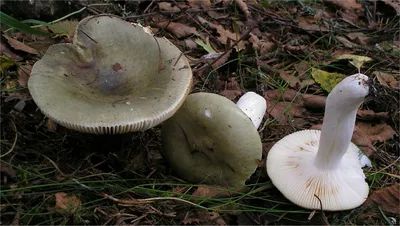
(293, 56)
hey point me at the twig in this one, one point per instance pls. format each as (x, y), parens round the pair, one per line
(172, 12)
(14, 143)
(230, 48)
(322, 211)
(150, 200)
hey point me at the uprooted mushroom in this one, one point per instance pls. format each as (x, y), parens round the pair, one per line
(321, 169)
(212, 140)
(114, 78)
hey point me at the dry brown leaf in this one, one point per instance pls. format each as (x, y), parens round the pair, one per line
(287, 113)
(167, 6)
(20, 46)
(66, 204)
(5, 50)
(178, 29)
(387, 80)
(263, 46)
(358, 37)
(23, 74)
(345, 4)
(232, 89)
(310, 24)
(387, 199)
(51, 125)
(302, 69)
(197, 4)
(346, 42)
(377, 133)
(231, 94)
(243, 7)
(371, 115)
(292, 80)
(216, 191)
(224, 35)
(8, 169)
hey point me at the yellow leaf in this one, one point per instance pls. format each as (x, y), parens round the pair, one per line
(356, 60)
(326, 79)
(5, 63)
(66, 203)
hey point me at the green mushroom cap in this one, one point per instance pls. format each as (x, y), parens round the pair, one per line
(211, 140)
(114, 78)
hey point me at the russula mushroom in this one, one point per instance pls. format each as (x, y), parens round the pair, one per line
(114, 78)
(254, 106)
(312, 165)
(211, 140)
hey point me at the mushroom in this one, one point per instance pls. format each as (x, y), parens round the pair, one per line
(114, 78)
(320, 169)
(211, 140)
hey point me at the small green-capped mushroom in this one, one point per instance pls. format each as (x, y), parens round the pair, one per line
(114, 78)
(211, 140)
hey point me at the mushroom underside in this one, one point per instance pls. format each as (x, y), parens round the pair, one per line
(291, 167)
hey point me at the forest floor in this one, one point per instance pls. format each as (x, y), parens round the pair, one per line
(290, 52)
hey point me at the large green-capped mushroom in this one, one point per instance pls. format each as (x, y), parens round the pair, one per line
(114, 78)
(211, 140)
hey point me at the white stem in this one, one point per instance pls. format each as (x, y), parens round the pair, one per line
(254, 106)
(339, 120)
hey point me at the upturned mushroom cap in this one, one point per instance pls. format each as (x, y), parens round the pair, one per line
(114, 78)
(290, 165)
(210, 140)
(312, 166)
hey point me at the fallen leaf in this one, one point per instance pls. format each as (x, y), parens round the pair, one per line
(224, 35)
(310, 24)
(387, 199)
(65, 27)
(167, 6)
(231, 94)
(302, 69)
(327, 80)
(5, 63)
(51, 125)
(243, 7)
(356, 60)
(292, 80)
(23, 74)
(365, 136)
(217, 191)
(232, 89)
(7, 52)
(197, 4)
(67, 203)
(376, 133)
(178, 29)
(358, 37)
(8, 169)
(371, 115)
(206, 45)
(20, 46)
(388, 80)
(264, 46)
(345, 5)
(346, 42)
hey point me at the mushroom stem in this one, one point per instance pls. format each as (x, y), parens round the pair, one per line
(254, 106)
(339, 120)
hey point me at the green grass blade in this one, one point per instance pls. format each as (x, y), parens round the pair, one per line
(14, 23)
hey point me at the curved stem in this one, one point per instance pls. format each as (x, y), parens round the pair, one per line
(339, 120)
